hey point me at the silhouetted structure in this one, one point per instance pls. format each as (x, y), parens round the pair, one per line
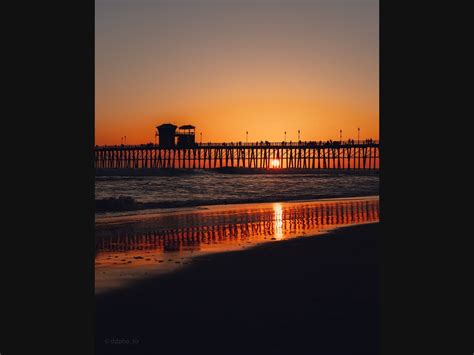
(166, 134)
(186, 136)
(264, 155)
(178, 150)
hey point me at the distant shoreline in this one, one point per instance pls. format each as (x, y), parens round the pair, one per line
(241, 171)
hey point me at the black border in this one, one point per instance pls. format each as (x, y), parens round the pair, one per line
(47, 251)
(425, 302)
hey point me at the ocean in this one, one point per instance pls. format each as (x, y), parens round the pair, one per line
(202, 188)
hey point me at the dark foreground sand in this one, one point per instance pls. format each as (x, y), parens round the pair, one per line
(315, 295)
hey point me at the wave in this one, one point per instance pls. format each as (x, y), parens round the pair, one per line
(127, 203)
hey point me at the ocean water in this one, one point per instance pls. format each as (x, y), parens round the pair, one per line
(200, 188)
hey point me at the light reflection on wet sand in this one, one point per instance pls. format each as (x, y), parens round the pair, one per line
(131, 248)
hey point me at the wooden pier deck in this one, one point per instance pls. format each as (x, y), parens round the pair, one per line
(347, 155)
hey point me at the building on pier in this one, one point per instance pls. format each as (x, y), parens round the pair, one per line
(166, 134)
(170, 138)
(186, 136)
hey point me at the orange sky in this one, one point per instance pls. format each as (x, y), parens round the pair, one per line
(231, 67)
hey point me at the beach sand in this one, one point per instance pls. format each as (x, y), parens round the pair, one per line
(299, 296)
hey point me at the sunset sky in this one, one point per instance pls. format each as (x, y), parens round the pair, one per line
(231, 66)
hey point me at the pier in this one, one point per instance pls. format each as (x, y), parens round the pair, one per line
(347, 155)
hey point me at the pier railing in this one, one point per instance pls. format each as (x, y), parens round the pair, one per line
(254, 144)
(349, 154)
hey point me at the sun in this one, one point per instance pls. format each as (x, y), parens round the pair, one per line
(275, 163)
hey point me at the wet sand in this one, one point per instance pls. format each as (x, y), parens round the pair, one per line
(134, 246)
(299, 296)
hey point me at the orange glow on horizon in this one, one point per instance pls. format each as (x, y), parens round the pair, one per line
(138, 130)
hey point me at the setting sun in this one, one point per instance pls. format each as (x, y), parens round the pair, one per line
(275, 163)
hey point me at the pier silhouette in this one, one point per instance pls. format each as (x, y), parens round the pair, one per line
(316, 155)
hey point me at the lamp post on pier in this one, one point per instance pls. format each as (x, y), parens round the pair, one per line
(340, 136)
(285, 136)
(358, 135)
(247, 137)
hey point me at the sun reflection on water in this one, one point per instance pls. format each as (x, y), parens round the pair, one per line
(132, 248)
(224, 228)
(277, 208)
